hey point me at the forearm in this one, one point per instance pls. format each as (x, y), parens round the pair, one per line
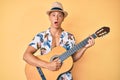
(33, 60)
(78, 54)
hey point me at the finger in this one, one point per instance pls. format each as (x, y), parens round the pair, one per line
(91, 37)
(59, 61)
(58, 66)
(56, 59)
(92, 41)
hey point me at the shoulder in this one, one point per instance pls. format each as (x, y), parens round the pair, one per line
(68, 34)
(41, 34)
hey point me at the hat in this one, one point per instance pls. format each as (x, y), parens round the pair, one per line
(56, 6)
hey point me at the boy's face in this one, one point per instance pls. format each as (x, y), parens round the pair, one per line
(56, 19)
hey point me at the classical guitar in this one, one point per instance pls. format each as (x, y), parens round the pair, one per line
(33, 73)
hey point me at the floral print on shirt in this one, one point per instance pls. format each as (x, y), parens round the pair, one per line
(43, 41)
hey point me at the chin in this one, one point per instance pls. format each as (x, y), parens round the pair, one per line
(56, 27)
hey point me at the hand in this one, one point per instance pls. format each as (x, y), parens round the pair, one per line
(55, 65)
(91, 42)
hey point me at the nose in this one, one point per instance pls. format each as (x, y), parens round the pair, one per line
(56, 17)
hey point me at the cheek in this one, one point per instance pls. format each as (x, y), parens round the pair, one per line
(61, 20)
(51, 19)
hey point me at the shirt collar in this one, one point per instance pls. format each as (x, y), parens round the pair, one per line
(48, 31)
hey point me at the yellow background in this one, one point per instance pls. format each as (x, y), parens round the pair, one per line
(20, 20)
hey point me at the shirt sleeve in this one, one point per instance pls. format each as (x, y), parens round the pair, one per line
(73, 41)
(35, 42)
(68, 41)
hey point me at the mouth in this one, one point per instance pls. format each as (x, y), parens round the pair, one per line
(55, 22)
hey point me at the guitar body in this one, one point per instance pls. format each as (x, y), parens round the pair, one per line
(32, 73)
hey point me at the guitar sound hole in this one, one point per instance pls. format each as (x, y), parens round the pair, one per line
(54, 57)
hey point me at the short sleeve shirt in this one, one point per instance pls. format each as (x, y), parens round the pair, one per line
(43, 41)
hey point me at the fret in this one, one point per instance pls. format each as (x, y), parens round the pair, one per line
(75, 48)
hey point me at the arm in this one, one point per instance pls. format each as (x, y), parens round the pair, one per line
(80, 52)
(33, 60)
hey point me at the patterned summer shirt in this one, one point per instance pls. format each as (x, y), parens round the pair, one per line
(43, 41)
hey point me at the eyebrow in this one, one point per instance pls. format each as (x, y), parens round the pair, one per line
(59, 13)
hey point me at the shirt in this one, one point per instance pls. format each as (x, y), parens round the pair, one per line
(43, 41)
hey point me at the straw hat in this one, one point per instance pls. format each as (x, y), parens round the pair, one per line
(56, 6)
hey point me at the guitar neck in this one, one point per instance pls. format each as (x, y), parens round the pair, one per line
(80, 45)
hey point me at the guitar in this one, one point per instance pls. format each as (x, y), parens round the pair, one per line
(65, 56)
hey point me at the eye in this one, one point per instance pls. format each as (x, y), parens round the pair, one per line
(53, 14)
(60, 15)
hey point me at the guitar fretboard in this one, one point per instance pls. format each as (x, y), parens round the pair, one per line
(68, 53)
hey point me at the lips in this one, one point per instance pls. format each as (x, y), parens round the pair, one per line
(56, 23)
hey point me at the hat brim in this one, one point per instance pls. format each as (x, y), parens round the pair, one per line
(65, 13)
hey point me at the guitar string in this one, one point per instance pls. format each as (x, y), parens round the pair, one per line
(75, 48)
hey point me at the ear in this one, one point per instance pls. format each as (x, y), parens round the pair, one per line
(63, 19)
(49, 17)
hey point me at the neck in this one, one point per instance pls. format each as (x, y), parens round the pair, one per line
(55, 31)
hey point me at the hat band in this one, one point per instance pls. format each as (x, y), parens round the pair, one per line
(56, 8)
